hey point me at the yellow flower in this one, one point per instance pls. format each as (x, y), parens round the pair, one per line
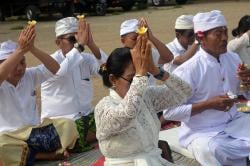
(141, 30)
(32, 23)
(80, 17)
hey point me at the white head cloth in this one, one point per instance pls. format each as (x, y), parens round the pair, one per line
(208, 20)
(184, 22)
(7, 48)
(129, 26)
(66, 25)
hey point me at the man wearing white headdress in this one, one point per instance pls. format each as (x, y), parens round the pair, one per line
(69, 93)
(213, 131)
(184, 46)
(22, 137)
(128, 33)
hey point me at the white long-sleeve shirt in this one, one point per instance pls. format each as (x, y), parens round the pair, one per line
(69, 93)
(208, 78)
(128, 127)
(241, 45)
(18, 103)
(176, 49)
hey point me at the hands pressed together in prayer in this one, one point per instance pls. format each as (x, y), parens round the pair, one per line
(84, 35)
(142, 57)
(26, 39)
(143, 23)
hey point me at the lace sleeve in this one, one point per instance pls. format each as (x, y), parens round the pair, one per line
(112, 117)
(174, 92)
(235, 45)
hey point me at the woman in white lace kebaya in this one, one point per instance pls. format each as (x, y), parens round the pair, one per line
(126, 120)
(241, 43)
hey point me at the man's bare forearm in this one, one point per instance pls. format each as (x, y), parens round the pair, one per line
(46, 59)
(9, 64)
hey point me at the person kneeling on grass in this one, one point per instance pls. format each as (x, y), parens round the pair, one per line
(22, 137)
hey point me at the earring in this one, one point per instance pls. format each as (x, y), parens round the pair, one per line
(113, 87)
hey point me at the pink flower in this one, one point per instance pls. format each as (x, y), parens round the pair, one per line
(200, 34)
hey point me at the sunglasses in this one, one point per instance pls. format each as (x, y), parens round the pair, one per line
(70, 38)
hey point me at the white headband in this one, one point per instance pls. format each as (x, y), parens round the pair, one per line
(7, 48)
(184, 22)
(129, 26)
(66, 25)
(208, 20)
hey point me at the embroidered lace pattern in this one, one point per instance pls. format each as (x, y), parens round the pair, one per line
(130, 125)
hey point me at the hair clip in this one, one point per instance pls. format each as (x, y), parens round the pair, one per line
(104, 67)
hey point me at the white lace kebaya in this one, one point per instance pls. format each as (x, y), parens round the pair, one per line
(128, 128)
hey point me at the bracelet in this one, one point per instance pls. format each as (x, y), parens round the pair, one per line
(79, 47)
(139, 75)
(160, 75)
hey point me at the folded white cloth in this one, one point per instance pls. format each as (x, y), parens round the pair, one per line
(184, 22)
(7, 48)
(208, 20)
(66, 25)
(129, 26)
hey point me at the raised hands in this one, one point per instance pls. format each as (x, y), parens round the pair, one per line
(26, 38)
(82, 35)
(143, 23)
(141, 54)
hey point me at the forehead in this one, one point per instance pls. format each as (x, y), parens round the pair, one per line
(218, 29)
(189, 30)
(132, 34)
(68, 34)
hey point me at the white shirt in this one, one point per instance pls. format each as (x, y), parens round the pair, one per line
(129, 126)
(177, 50)
(18, 104)
(241, 45)
(208, 78)
(69, 93)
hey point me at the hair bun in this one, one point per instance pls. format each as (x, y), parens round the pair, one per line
(235, 32)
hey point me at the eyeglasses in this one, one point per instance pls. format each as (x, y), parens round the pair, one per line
(129, 81)
(70, 38)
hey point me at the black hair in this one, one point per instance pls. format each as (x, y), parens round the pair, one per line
(116, 64)
(243, 26)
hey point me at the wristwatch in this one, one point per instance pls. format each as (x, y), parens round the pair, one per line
(160, 75)
(79, 47)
